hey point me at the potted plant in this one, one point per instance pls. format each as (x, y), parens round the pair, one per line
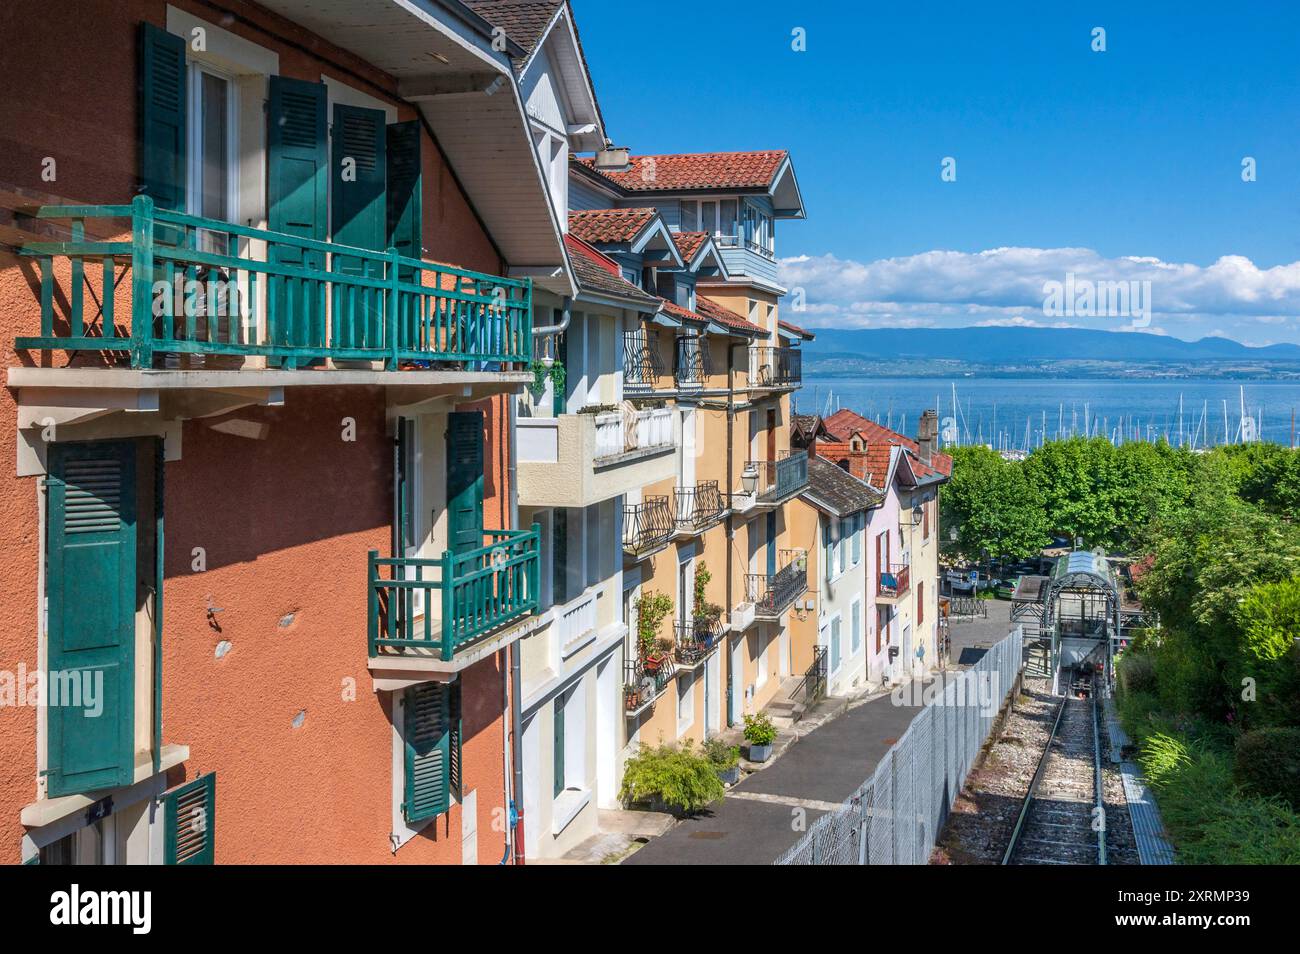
(667, 778)
(651, 609)
(760, 734)
(724, 758)
(631, 697)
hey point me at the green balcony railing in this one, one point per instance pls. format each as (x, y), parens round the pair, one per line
(193, 285)
(462, 596)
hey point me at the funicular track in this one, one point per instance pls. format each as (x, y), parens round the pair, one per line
(1058, 821)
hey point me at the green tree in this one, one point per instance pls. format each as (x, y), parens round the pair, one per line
(992, 505)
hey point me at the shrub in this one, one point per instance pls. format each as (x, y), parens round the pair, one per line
(1267, 762)
(759, 729)
(676, 778)
(721, 755)
(1137, 672)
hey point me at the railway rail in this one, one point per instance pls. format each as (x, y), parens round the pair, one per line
(1062, 819)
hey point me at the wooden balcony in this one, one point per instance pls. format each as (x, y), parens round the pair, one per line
(433, 610)
(191, 286)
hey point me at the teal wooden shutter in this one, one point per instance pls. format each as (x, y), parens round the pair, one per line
(427, 731)
(465, 480)
(190, 820)
(557, 746)
(404, 212)
(357, 218)
(358, 208)
(161, 123)
(835, 644)
(91, 590)
(454, 744)
(296, 192)
(559, 556)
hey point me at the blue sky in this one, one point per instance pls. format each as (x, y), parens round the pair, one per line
(1067, 160)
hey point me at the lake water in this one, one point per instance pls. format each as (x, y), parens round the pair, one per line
(995, 410)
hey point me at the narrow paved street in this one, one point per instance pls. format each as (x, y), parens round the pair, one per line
(756, 821)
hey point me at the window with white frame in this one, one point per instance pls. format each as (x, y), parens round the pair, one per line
(213, 151)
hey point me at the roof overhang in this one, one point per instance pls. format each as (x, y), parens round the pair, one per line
(559, 40)
(787, 199)
(708, 263)
(441, 55)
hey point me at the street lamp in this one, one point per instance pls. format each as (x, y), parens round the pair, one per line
(749, 480)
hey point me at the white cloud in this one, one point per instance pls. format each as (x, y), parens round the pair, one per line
(1005, 286)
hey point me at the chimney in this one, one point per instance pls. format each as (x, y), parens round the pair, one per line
(927, 434)
(613, 158)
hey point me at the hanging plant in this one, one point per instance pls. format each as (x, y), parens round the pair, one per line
(542, 371)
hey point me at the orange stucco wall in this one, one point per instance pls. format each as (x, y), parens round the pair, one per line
(285, 522)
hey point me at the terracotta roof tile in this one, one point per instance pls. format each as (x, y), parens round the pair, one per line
(609, 225)
(844, 423)
(688, 243)
(706, 170)
(795, 329)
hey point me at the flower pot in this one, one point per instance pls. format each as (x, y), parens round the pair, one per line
(730, 776)
(760, 753)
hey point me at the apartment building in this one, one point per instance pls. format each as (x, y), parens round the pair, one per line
(900, 563)
(713, 542)
(833, 513)
(268, 296)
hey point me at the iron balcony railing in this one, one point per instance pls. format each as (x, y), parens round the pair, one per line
(644, 681)
(696, 639)
(291, 300)
(775, 367)
(641, 365)
(773, 594)
(692, 365)
(782, 478)
(894, 580)
(464, 595)
(647, 525)
(700, 506)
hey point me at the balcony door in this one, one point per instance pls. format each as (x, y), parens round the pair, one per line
(408, 509)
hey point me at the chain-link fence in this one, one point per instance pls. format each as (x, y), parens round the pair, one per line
(895, 816)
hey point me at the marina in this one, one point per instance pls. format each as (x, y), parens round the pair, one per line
(1015, 415)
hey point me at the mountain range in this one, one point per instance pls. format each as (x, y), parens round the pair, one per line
(997, 345)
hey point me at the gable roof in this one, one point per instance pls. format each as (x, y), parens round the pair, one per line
(600, 275)
(795, 330)
(870, 465)
(688, 243)
(844, 423)
(610, 225)
(525, 21)
(726, 317)
(834, 490)
(688, 171)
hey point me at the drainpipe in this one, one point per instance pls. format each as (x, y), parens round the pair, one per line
(567, 314)
(516, 716)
